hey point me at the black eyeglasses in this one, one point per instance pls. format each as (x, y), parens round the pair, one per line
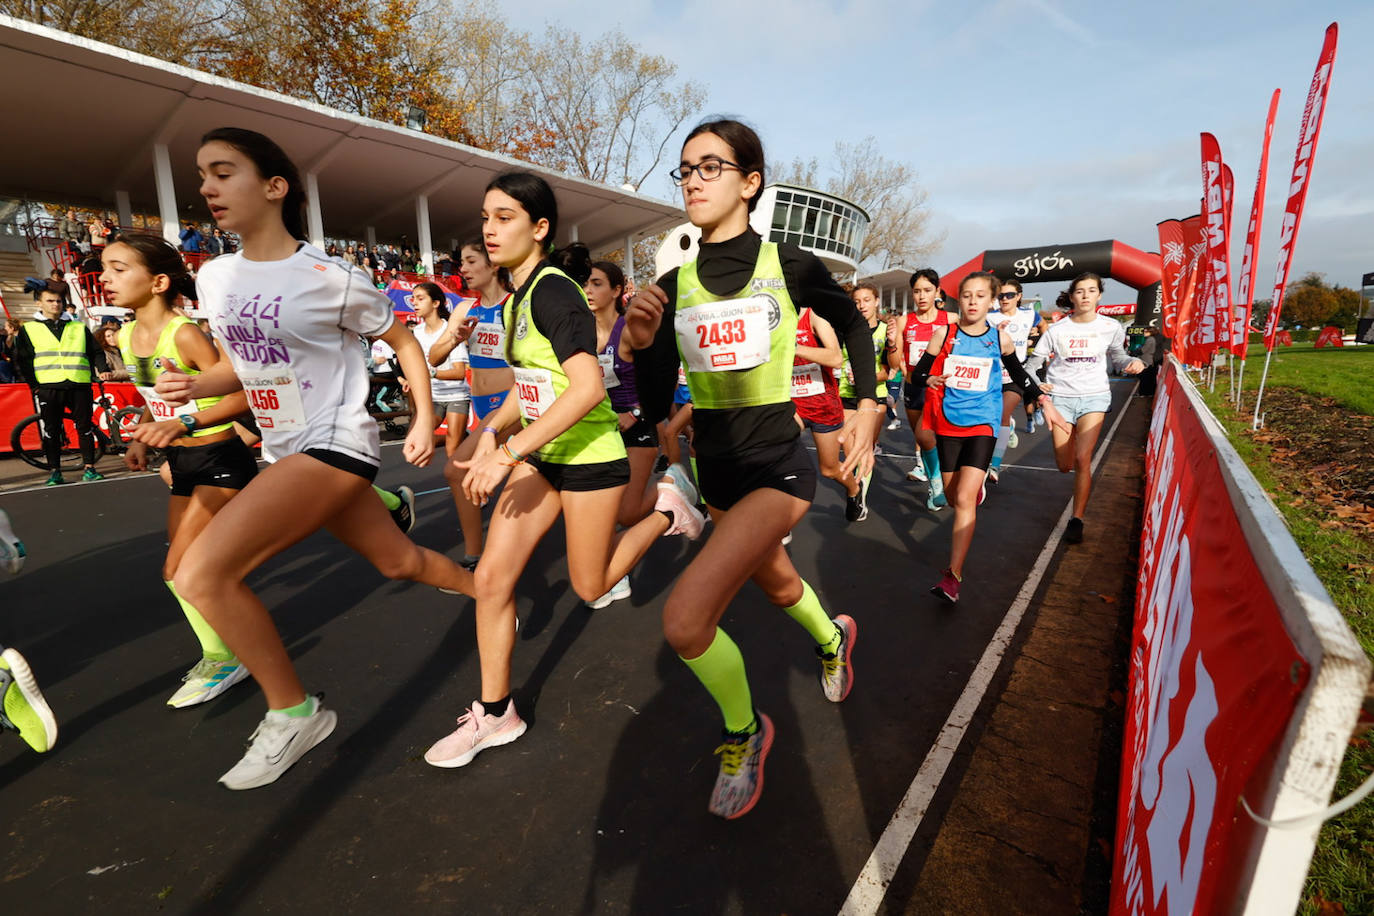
(708, 169)
(1007, 297)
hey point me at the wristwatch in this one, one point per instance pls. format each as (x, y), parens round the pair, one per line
(188, 421)
(636, 413)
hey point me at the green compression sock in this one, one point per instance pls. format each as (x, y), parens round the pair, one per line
(211, 646)
(302, 709)
(721, 671)
(389, 499)
(809, 613)
(931, 459)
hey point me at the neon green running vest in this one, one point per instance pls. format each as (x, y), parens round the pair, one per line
(55, 360)
(847, 389)
(144, 372)
(763, 307)
(591, 440)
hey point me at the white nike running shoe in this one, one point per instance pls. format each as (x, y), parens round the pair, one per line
(277, 743)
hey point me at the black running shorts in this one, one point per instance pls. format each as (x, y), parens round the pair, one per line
(965, 452)
(642, 435)
(582, 478)
(229, 464)
(787, 467)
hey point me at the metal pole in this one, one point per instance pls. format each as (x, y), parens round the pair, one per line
(1240, 387)
(1259, 396)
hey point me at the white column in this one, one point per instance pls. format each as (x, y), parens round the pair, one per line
(314, 219)
(370, 236)
(166, 194)
(572, 235)
(452, 245)
(124, 208)
(422, 222)
(629, 265)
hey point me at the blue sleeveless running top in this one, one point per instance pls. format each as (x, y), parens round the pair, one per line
(972, 394)
(487, 343)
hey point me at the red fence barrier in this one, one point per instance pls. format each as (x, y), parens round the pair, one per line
(1223, 700)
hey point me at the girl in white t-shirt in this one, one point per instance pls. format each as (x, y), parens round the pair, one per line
(1076, 351)
(288, 317)
(448, 385)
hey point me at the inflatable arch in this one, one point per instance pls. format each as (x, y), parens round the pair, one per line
(1114, 260)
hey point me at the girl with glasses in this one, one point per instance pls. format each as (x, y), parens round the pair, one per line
(729, 317)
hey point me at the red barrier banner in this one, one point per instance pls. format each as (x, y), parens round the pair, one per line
(16, 403)
(1302, 174)
(1214, 677)
(1172, 260)
(1214, 311)
(1249, 264)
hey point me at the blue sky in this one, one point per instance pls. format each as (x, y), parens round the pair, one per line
(1034, 122)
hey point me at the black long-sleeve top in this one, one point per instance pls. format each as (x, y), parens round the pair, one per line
(725, 269)
(23, 356)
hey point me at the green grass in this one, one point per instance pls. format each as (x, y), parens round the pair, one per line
(1344, 373)
(1342, 869)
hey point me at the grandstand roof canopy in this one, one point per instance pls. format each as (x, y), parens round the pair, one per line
(85, 118)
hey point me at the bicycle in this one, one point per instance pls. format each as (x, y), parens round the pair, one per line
(27, 441)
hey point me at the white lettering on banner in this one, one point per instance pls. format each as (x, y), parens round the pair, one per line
(1297, 187)
(1035, 264)
(1171, 776)
(1185, 810)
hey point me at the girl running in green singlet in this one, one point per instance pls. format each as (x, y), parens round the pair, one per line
(568, 457)
(730, 317)
(207, 460)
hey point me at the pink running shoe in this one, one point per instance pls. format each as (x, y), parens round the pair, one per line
(476, 732)
(686, 519)
(948, 587)
(740, 782)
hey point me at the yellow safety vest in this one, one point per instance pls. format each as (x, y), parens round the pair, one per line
(56, 361)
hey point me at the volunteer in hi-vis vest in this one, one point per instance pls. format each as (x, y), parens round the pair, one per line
(57, 358)
(729, 317)
(567, 458)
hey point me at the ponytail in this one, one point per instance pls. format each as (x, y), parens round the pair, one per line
(575, 260)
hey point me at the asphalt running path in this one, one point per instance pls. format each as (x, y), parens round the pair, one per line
(600, 808)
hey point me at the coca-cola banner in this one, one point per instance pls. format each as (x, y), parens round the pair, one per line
(1302, 176)
(1245, 281)
(1213, 679)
